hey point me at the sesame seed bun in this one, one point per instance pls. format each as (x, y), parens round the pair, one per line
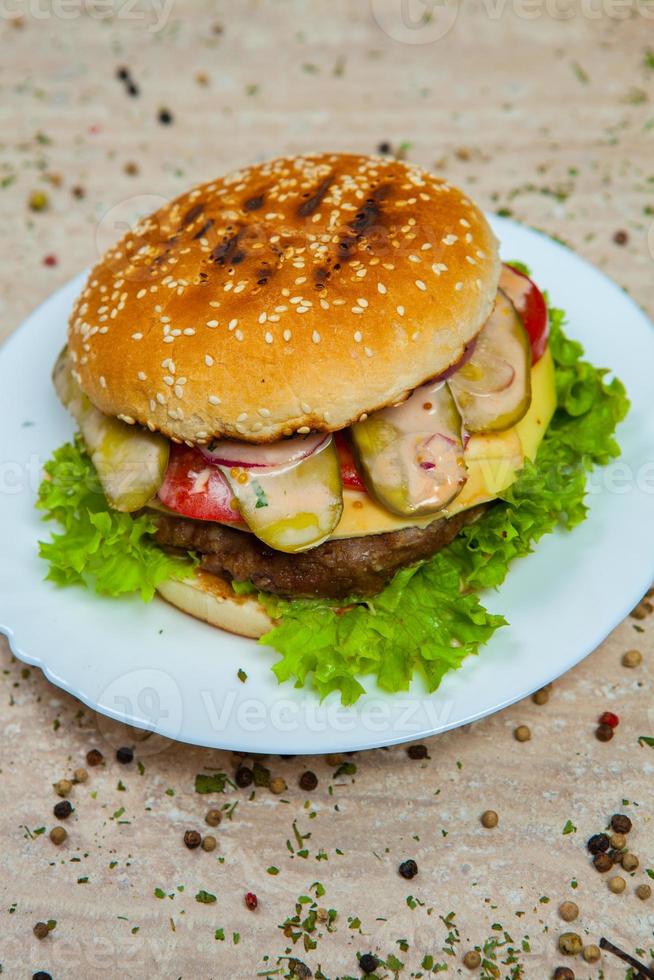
(293, 295)
(211, 599)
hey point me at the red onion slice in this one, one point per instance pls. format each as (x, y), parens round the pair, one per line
(465, 357)
(227, 452)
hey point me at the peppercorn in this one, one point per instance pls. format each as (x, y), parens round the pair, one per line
(632, 658)
(308, 781)
(58, 835)
(603, 862)
(591, 954)
(598, 843)
(94, 757)
(80, 775)
(368, 963)
(621, 238)
(125, 755)
(621, 823)
(243, 776)
(472, 959)
(132, 89)
(192, 839)
(122, 73)
(568, 911)
(38, 201)
(62, 810)
(213, 817)
(542, 696)
(417, 752)
(408, 869)
(522, 733)
(41, 930)
(604, 733)
(489, 819)
(209, 843)
(570, 943)
(618, 840)
(617, 884)
(41, 975)
(334, 759)
(644, 892)
(78, 191)
(384, 148)
(251, 901)
(260, 774)
(62, 787)
(616, 855)
(277, 785)
(165, 117)
(609, 718)
(630, 862)
(563, 973)
(131, 168)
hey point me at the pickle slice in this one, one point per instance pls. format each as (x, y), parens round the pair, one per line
(291, 507)
(130, 461)
(411, 456)
(492, 389)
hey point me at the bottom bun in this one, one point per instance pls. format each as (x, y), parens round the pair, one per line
(213, 600)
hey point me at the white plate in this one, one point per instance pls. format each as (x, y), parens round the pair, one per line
(156, 668)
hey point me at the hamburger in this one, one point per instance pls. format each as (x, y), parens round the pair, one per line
(309, 376)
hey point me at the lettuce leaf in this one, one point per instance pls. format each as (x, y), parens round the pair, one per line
(428, 619)
(99, 547)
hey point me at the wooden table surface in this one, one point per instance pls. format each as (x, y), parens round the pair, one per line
(542, 110)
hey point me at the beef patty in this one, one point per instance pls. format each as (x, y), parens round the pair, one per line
(335, 569)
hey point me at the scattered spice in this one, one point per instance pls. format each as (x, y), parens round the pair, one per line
(417, 752)
(94, 757)
(632, 658)
(251, 901)
(630, 862)
(78, 191)
(38, 201)
(644, 892)
(368, 963)
(618, 841)
(277, 785)
(50, 259)
(472, 959)
(80, 775)
(209, 843)
(522, 733)
(125, 755)
(621, 823)
(243, 777)
(62, 810)
(213, 817)
(165, 117)
(563, 973)
(598, 843)
(308, 781)
(58, 835)
(489, 819)
(62, 787)
(41, 930)
(542, 696)
(192, 839)
(408, 869)
(603, 862)
(621, 237)
(568, 911)
(609, 718)
(591, 954)
(131, 168)
(604, 733)
(617, 884)
(570, 943)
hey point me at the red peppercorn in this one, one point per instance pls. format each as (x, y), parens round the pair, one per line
(609, 718)
(50, 259)
(251, 901)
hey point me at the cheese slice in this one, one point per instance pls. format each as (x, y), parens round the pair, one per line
(493, 463)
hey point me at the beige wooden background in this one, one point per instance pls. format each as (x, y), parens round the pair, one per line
(544, 109)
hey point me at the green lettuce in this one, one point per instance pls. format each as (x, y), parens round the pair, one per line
(428, 619)
(102, 548)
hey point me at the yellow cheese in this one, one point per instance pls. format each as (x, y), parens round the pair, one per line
(493, 462)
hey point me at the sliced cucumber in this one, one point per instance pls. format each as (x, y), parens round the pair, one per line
(492, 389)
(293, 507)
(411, 456)
(130, 461)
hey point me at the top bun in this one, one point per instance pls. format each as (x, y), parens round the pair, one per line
(293, 295)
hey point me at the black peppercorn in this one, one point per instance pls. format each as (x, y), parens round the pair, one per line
(563, 973)
(604, 733)
(408, 869)
(192, 839)
(621, 823)
(94, 758)
(41, 975)
(122, 74)
(368, 963)
(62, 810)
(125, 755)
(384, 148)
(308, 780)
(417, 752)
(603, 862)
(598, 843)
(165, 117)
(243, 776)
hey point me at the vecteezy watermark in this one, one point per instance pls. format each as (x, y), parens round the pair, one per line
(153, 13)
(124, 216)
(426, 21)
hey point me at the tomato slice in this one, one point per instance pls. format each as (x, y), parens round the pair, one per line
(195, 488)
(349, 473)
(530, 305)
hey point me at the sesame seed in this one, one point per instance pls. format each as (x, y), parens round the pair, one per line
(103, 382)
(242, 417)
(137, 336)
(458, 286)
(160, 398)
(315, 336)
(421, 285)
(358, 336)
(286, 335)
(304, 429)
(179, 391)
(268, 337)
(263, 317)
(189, 332)
(212, 323)
(208, 360)
(362, 302)
(169, 381)
(232, 323)
(381, 288)
(400, 310)
(214, 400)
(238, 334)
(357, 309)
(142, 376)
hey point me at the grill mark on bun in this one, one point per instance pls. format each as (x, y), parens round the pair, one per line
(192, 214)
(254, 203)
(201, 232)
(228, 251)
(313, 201)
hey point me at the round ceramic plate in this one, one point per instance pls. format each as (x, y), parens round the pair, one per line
(155, 668)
